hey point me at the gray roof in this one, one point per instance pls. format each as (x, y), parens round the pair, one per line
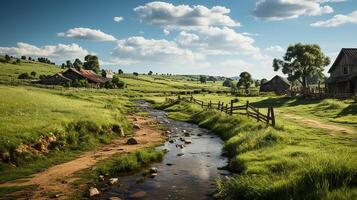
(351, 52)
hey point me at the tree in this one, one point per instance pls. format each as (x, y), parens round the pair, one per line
(77, 64)
(91, 63)
(135, 73)
(18, 61)
(256, 83)
(150, 73)
(262, 81)
(301, 61)
(228, 83)
(212, 78)
(69, 64)
(23, 57)
(120, 71)
(7, 58)
(33, 74)
(29, 58)
(63, 66)
(103, 73)
(245, 81)
(203, 79)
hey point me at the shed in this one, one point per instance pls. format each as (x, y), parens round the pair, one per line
(277, 84)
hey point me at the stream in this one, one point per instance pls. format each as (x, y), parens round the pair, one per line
(184, 173)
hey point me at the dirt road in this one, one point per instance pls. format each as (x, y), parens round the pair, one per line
(58, 179)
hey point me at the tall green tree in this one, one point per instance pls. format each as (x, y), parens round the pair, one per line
(69, 64)
(91, 63)
(150, 73)
(77, 64)
(120, 71)
(245, 81)
(203, 79)
(301, 61)
(228, 83)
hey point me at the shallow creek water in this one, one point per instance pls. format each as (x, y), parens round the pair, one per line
(190, 175)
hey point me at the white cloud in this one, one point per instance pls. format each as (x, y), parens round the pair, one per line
(288, 9)
(159, 51)
(185, 38)
(166, 32)
(59, 52)
(168, 15)
(87, 34)
(337, 20)
(118, 19)
(275, 48)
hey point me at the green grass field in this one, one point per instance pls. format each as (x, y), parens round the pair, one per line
(287, 162)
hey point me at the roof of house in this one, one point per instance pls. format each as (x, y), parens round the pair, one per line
(277, 77)
(90, 75)
(352, 52)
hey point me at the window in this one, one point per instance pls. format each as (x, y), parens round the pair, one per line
(345, 69)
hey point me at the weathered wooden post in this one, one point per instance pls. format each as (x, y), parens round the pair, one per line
(227, 108)
(231, 107)
(219, 104)
(191, 98)
(222, 106)
(246, 108)
(272, 117)
(210, 104)
(202, 104)
(268, 115)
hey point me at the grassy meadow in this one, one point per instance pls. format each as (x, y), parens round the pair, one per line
(290, 161)
(286, 162)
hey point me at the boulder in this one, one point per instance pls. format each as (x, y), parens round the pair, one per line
(188, 142)
(180, 154)
(153, 175)
(101, 178)
(131, 141)
(137, 126)
(113, 181)
(187, 134)
(153, 170)
(172, 141)
(93, 192)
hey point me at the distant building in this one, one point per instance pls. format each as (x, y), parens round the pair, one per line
(109, 74)
(343, 73)
(73, 74)
(277, 84)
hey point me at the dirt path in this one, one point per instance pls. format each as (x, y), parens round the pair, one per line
(58, 179)
(319, 124)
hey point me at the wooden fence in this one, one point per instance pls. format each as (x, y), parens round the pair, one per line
(231, 109)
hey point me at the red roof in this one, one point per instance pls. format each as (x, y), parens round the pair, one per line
(90, 75)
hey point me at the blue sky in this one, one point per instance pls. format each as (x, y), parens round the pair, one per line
(179, 37)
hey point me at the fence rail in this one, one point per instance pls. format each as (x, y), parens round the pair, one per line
(248, 109)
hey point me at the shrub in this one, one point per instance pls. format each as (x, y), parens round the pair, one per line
(24, 76)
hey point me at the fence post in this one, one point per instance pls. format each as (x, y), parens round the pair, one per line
(227, 108)
(202, 104)
(272, 116)
(268, 115)
(222, 106)
(246, 108)
(231, 107)
(178, 97)
(191, 98)
(210, 104)
(219, 104)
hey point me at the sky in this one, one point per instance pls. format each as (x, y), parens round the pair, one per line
(209, 37)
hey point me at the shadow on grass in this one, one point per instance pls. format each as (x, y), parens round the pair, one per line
(284, 101)
(349, 110)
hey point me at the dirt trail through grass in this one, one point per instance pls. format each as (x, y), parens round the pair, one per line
(58, 179)
(319, 124)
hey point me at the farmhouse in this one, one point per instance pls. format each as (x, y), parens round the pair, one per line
(73, 74)
(277, 84)
(343, 73)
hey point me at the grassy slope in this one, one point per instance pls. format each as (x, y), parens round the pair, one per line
(10, 72)
(287, 162)
(29, 113)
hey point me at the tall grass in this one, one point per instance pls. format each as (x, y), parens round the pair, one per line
(287, 162)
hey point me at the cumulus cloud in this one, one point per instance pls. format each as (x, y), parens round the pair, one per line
(288, 9)
(185, 38)
(168, 15)
(118, 19)
(275, 48)
(87, 34)
(337, 20)
(59, 52)
(166, 32)
(159, 51)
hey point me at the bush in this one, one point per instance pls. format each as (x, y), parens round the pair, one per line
(24, 76)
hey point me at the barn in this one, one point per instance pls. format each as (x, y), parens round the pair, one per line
(343, 73)
(73, 74)
(277, 84)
